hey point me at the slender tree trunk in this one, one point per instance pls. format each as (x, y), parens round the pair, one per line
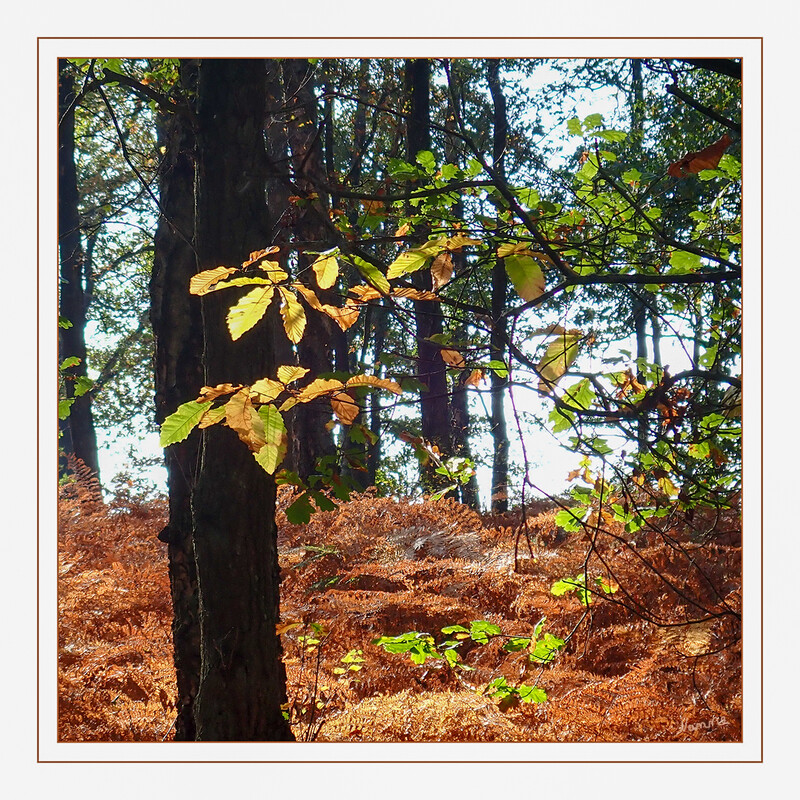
(323, 347)
(431, 369)
(242, 679)
(178, 333)
(78, 436)
(497, 343)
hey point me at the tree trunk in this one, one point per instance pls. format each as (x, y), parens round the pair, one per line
(242, 679)
(78, 437)
(431, 368)
(178, 333)
(500, 443)
(323, 347)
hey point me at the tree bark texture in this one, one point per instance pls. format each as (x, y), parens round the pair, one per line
(499, 431)
(431, 368)
(78, 436)
(242, 679)
(178, 333)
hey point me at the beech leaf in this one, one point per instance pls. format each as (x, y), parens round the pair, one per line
(525, 275)
(371, 274)
(557, 359)
(267, 390)
(176, 427)
(708, 158)
(243, 418)
(248, 311)
(287, 374)
(213, 392)
(326, 268)
(270, 455)
(441, 270)
(453, 358)
(294, 318)
(317, 388)
(345, 407)
(374, 380)
(203, 282)
(212, 417)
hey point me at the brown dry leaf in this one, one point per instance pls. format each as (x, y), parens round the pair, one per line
(374, 380)
(453, 358)
(345, 407)
(344, 316)
(403, 229)
(441, 270)
(203, 282)
(475, 378)
(708, 158)
(317, 388)
(213, 392)
(414, 294)
(365, 293)
(243, 418)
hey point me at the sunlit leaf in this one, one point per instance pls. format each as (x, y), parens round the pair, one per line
(415, 294)
(294, 318)
(318, 388)
(212, 417)
(243, 418)
(374, 380)
(525, 275)
(371, 274)
(270, 455)
(415, 258)
(441, 270)
(248, 311)
(453, 358)
(203, 282)
(326, 268)
(213, 392)
(345, 407)
(266, 390)
(176, 427)
(288, 374)
(475, 378)
(557, 359)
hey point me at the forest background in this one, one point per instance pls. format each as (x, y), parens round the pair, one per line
(10, 316)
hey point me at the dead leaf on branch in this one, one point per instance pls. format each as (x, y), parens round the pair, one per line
(441, 270)
(708, 158)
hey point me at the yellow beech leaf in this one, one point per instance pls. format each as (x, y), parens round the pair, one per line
(441, 270)
(344, 316)
(273, 450)
(510, 248)
(282, 627)
(453, 358)
(525, 274)
(475, 378)
(258, 255)
(345, 407)
(213, 392)
(365, 293)
(374, 380)
(212, 417)
(414, 294)
(266, 389)
(459, 240)
(243, 418)
(203, 282)
(326, 268)
(415, 258)
(294, 318)
(273, 270)
(557, 359)
(308, 295)
(249, 310)
(288, 373)
(317, 388)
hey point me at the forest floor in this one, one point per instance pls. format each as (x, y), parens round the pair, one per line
(381, 567)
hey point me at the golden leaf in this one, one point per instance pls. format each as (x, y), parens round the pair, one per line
(475, 378)
(344, 316)
(266, 390)
(287, 374)
(258, 255)
(557, 359)
(317, 388)
(243, 418)
(453, 358)
(274, 271)
(509, 248)
(294, 318)
(248, 311)
(441, 270)
(212, 417)
(345, 407)
(403, 229)
(459, 240)
(414, 294)
(203, 282)
(326, 268)
(365, 293)
(213, 392)
(374, 380)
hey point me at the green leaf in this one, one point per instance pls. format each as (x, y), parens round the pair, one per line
(517, 643)
(574, 127)
(64, 407)
(531, 694)
(427, 161)
(72, 361)
(570, 520)
(500, 368)
(300, 511)
(176, 427)
(82, 385)
(593, 121)
(526, 276)
(612, 135)
(632, 176)
(481, 630)
(415, 259)
(274, 451)
(63, 322)
(683, 262)
(371, 274)
(557, 359)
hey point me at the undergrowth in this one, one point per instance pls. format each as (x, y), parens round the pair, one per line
(657, 659)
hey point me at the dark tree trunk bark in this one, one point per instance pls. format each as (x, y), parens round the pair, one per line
(78, 436)
(242, 679)
(178, 332)
(431, 368)
(500, 443)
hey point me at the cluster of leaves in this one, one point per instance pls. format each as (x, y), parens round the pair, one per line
(541, 648)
